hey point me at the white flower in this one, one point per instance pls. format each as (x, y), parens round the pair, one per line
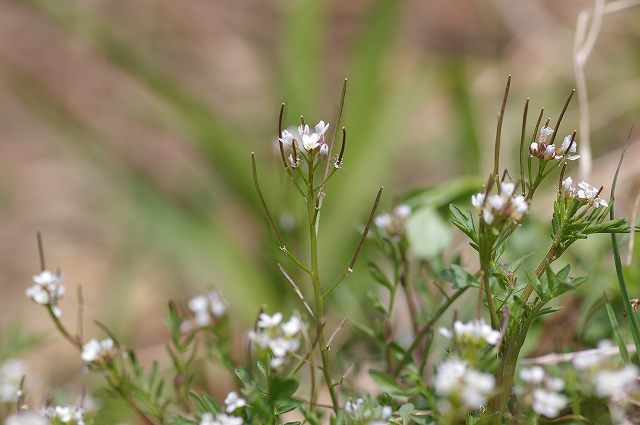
(588, 193)
(352, 407)
(265, 321)
(383, 220)
(220, 419)
(487, 216)
(310, 141)
(47, 289)
(497, 202)
(94, 350)
(321, 128)
(507, 188)
(608, 382)
(532, 375)
(477, 200)
(292, 327)
(472, 332)
(287, 138)
(567, 186)
(233, 402)
(544, 133)
(11, 373)
(324, 151)
(65, 414)
(26, 418)
(386, 412)
(259, 338)
(519, 206)
(454, 379)
(548, 403)
(217, 304)
(567, 147)
(402, 211)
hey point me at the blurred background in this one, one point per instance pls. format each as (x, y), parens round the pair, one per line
(126, 129)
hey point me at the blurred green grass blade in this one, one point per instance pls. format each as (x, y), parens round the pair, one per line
(184, 229)
(617, 335)
(635, 329)
(192, 113)
(468, 147)
(302, 64)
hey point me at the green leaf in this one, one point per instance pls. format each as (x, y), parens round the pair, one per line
(540, 289)
(459, 277)
(389, 385)
(281, 388)
(428, 233)
(617, 335)
(463, 220)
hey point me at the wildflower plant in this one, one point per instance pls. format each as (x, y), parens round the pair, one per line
(292, 368)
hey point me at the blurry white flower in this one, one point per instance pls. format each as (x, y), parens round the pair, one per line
(26, 418)
(353, 406)
(220, 419)
(532, 375)
(65, 414)
(610, 382)
(456, 381)
(542, 392)
(548, 403)
(265, 321)
(476, 331)
(11, 373)
(477, 200)
(383, 220)
(204, 307)
(507, 188)
(292, 327)
(402, 211)
(393, 224)
(47, 290)
(233, 402)
(94, 350)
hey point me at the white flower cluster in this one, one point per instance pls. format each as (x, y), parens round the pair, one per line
(541, 149)
(584, 192)
(475, 332)
(462, 385)
(607, 380)
(47, 290)
(306, 141)
(205, 308)
(503, 205)
(26, 418)
(220, 419)
(95, 350)
(542, 391)
(281, 338)
(11, 373)
(65, 414)
(360, 412)
(393, 223)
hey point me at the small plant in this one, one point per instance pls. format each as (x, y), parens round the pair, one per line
(293, 371)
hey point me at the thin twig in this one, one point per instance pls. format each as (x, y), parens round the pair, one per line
(496, 158)
(296, 289)
(524, 129)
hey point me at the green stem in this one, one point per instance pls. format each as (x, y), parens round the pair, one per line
(317, 291)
